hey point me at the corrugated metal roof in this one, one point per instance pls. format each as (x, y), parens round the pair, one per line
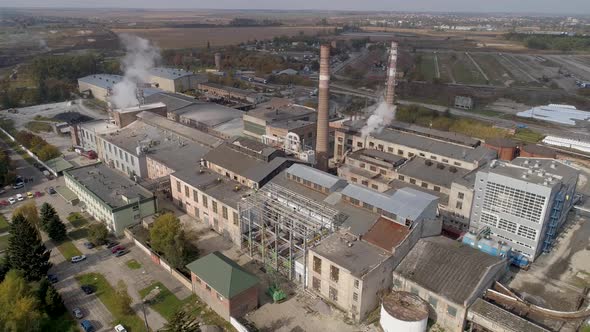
(102, 80)
(404, 203)
(318, 177)
(446, 267)
(170, 73)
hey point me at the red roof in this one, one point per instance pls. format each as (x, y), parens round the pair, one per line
(386, 234)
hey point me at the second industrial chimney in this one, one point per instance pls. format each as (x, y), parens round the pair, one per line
(218, 61)
(391, 72)
(322, 143)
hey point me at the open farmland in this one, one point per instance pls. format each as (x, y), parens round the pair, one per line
(497, 73)
(222, 36)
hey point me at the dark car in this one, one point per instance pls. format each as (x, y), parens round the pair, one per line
(111, 244)
(87, 289)
(117, 248)
(88, 245)
(87, 326)
(121, 253)
(51, 191)
(52, 278)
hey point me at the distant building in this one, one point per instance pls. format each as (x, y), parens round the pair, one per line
(231, 92)
(125, 116)
(449, 276)
(224, 286)
(524, 203)
(98, 85)
(175, 80)
(110, 197)
(463, 102)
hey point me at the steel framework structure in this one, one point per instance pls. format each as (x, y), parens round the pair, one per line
(279, 225)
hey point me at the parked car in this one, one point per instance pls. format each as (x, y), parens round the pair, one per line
(121, 253)
(51, 191)
(120, 328)
(20, 197)
(111, 244)
(87, 289)
(18, 185)
(30, 194)
(52, 278)
(4, 202)
(11, 200)
(117, 248)
(77, 312)
(38, 194)
(87, 326)
(88, 245)
(77, 259)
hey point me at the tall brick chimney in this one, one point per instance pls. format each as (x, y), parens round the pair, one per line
(391, 71)
(322, 143)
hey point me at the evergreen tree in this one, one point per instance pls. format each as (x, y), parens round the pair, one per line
(56, 229)
(54, 304)
(47, 214)
(181, 322)
(26, 251)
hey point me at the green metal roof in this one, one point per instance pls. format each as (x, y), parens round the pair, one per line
(222, 274)
(59, 164)
(66, 193)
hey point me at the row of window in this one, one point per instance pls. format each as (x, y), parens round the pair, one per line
(401, 152)
(513, 201)
(509, 226)
(205, 203)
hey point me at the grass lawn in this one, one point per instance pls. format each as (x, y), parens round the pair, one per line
(4, 242)
(78, 234)
(425, 68)
(106, 294)
(38, 127)
(4, 226)
(528, 135)
(166, 304)
(133, 264)
(77, 220)
(68, 249)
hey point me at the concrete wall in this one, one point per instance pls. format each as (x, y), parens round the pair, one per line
(133, 213)
(234, 176)
(156, 169)
(122, 160)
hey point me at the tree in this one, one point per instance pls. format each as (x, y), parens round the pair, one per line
(18, 305)
(123, 299)
(98, 233)
(181, 322)
(29, 212)
(56, 229)
(47, 214)
(168, 238)
(54, 304)
(26, 251)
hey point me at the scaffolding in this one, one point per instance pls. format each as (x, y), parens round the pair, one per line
(279, 225)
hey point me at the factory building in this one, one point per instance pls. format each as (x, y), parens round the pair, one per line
(278, 112)
(231, 93)
(98, 85)
(449, 276)
(507, 149)
(523, 203)
(125, 116)
(537, 151)
(175, 80)
(211, 198)
(215, 119)
(109, 196)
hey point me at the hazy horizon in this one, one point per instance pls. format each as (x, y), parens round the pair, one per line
(573, 7)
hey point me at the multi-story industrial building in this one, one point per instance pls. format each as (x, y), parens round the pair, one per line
(279, 112)
(110, 197)
(232, 93)
(449, 276)
(175, 80)
(100, 86)
(523, 203)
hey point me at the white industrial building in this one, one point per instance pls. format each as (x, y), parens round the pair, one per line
(562, 114)
(175, 80)
(581, 144)
(523, 203)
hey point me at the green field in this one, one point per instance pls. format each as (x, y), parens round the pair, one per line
(528, 136)
(106, 294)
(497, 73)
(464, 70)
(425, 70)
(68, 250)
(38, 127)
(77, 220)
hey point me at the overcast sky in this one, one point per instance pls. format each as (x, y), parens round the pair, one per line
(580, 7)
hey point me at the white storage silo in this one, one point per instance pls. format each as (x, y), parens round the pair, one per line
(403, 312)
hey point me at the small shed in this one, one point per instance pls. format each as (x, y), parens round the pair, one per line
(224, 285)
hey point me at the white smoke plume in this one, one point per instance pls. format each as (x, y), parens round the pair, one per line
(140, 58)
(380, 118)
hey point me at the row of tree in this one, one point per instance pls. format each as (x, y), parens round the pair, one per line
(552, 42)
(37, 145)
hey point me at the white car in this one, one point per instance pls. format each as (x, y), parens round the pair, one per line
(11, 200)
(19, 197)
(120, 328)
(77, 259)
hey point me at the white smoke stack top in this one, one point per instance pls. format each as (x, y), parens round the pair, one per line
(391, 74)
(140, 58)
(381, 116)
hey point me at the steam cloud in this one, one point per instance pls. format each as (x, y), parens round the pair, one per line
(140, 58)
(380, 118)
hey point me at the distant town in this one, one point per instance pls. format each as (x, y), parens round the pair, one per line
(294, 171)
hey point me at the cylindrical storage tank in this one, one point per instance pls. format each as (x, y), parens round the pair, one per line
(505, 148)
(218, 61)
(403, 312)
(537, 151)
